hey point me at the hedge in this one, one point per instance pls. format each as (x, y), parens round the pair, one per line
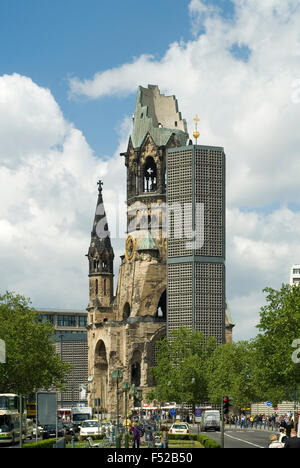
(204, 440)
(47, 443)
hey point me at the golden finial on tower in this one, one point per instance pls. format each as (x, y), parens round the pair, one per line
(196, 133)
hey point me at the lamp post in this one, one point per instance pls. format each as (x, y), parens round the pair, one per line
(125, 388)
(117, 375)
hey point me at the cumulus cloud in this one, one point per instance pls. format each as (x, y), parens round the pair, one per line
(241, 74)
(48, 191)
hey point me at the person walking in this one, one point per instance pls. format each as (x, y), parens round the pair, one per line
(289, 427)
(164, 437)
(136, 437)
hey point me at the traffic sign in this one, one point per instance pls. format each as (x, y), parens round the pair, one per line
(173, 411)
(269, 403)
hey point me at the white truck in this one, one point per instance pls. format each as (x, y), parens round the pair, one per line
(210, 420)
(80, 414)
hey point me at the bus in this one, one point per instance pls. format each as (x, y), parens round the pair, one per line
(10, 419)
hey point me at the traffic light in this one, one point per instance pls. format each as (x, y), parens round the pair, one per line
(226, 404)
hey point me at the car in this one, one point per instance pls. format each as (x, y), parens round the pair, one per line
(68, 428)
(179, 428)
(106, 425)
(49, 431)
(29, 429)
(89, 428)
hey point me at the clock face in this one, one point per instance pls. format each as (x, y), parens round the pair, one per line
(129, 248)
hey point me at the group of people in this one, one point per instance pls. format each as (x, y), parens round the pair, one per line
(291, 441)
(136, 436)
(260, 421)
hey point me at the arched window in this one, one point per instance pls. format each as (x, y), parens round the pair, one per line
(161, 311)
(97, 288)
(126, 311)
(104, 287)
(136, 368)
(150, 176)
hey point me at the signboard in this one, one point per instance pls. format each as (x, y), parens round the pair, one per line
(173, 412)
(46, 408)
(2, 352)
(198, 412)
(268, 403)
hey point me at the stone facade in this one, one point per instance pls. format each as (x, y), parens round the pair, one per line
(123, 329)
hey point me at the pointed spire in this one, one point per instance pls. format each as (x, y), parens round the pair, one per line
(100, 253)
(100, 227)
(148, 243)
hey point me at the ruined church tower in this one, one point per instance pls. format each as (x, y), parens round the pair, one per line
(123, 329)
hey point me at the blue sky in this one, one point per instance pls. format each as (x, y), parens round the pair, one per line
(69, 72)
(52, 40)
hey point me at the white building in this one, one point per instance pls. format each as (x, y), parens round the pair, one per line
(295, 275)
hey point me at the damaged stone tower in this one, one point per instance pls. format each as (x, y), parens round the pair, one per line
(123, 329)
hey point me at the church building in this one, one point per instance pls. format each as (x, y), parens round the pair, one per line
(123, 328)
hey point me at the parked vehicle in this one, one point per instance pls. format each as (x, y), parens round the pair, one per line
(210, 420)
(29, 428)
(80, 414)
(89, 428)
(179, 428)
(69, 429)
(106, 425)
(49, 431)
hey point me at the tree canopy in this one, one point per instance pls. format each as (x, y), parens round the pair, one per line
(31, 361)
(182, 367)
(193, 369)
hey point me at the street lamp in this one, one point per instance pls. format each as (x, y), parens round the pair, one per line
(117, 375)
(125, 388)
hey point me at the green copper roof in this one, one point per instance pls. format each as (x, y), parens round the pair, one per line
(148, 243)
(157, 115)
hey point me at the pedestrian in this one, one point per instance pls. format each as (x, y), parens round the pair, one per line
(274, 442)
(289, 427)
(136, 436)
(164, 437)
(293, 441)
(283, 425)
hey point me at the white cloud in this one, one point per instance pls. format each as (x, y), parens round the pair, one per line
(248, 104)
(48, 191)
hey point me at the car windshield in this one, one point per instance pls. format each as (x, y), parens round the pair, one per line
(180, 426)
(90, 424)
(80, 416)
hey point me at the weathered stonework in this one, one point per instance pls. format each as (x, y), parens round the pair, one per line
(124, 329)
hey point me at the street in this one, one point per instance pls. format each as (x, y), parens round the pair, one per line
(240, 438)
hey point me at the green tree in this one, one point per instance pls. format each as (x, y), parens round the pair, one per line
(31, 360)
(181, 369)
(231, 373)
(277, 374)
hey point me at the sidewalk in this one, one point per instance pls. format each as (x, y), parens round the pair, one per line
(263, 428)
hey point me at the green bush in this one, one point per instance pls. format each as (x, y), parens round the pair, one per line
(204, 440)
(47, 443)
(182, 436)
(207, 442)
